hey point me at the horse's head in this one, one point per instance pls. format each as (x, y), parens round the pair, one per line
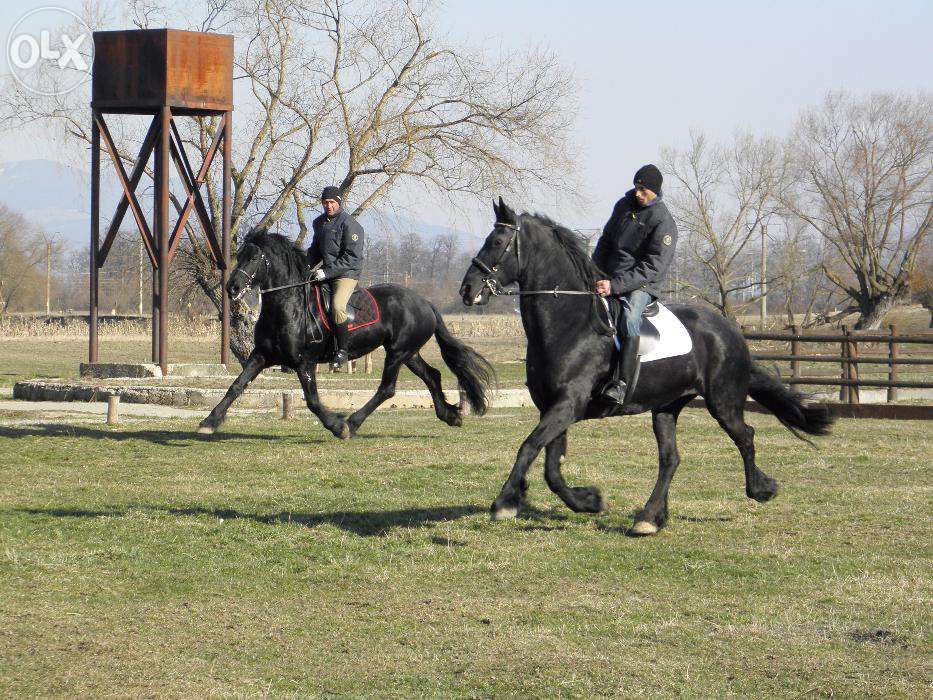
(252, 268)
(497, 262)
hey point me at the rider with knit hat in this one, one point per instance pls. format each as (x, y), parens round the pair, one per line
(338, 246)
(635, 252)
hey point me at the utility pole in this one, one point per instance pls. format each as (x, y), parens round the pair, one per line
(764, 277)
(140, 277)
(48, 278)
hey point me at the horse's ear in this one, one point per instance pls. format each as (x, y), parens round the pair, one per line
(506, 215)
(495, 208)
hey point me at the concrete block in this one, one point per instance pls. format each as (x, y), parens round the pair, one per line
(113, 370)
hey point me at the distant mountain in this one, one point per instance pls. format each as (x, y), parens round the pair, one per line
(57, 197)
(53, 196)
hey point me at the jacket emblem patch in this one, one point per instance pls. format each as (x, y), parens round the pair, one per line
(667, 240)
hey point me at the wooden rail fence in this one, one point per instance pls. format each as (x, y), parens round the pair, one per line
(849, 359)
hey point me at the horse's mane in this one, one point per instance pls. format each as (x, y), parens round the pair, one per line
(573, 245)
(281, 248)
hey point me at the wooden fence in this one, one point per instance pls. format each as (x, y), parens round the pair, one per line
(849, 359)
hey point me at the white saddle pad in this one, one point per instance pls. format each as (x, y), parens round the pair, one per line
(674, 340)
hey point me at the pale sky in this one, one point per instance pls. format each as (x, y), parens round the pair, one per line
(649, 72)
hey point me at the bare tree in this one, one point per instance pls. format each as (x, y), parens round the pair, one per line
(796, 256)
(23, 252)
(721, 195)
(861, 178)
(364, 94)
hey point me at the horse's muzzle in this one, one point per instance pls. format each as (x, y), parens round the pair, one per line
(235, 289)
(471, 298)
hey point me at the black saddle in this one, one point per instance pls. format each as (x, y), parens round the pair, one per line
(362, 309)
(326, 292)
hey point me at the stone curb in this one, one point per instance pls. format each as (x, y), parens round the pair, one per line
(193, 397)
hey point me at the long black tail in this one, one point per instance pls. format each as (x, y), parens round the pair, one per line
(788, 404)
(474, 372)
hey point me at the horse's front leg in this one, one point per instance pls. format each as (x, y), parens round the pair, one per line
(254, 364)
(330, 420)
(580, 499)
(553, 423)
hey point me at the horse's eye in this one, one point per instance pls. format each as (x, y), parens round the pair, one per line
(497, 243)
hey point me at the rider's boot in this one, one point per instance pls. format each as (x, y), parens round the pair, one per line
(340, 356)
(622, 386)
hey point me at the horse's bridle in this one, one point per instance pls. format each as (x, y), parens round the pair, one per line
(490, 282)
(251, 276)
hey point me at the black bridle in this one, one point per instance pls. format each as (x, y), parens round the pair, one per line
(306, 284)
(492, 284)
(250, 276)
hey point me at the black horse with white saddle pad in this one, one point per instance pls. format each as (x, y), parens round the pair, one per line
(569, 360)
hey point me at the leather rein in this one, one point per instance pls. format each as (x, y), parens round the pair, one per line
(490, 282)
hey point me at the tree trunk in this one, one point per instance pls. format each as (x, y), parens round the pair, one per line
(242, 318)
(242, 323)
(872, 312)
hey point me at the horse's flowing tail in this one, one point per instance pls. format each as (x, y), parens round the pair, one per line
(788, 404)
(475, 374)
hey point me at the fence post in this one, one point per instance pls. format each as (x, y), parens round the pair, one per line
(368, 363)
(113, 410)
(795, 351)
(288, 408)
(853, 369)
(844, 350)
(892, 366)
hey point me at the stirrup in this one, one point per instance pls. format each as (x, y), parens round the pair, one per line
(340, 359)
(615, 391)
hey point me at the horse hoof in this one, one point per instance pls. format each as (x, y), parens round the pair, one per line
(504, 513)
(765, 492)
(206, 430)
(644, 528)
(345, 433)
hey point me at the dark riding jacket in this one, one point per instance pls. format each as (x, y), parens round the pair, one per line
(338, 244)
(637, 246)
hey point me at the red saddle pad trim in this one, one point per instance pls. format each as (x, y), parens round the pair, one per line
(352, 326)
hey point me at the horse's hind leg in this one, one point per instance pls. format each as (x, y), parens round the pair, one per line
(393, 363)
(580, 499)
(254, 364)
(653, 516)
(731, 416)
(448, 413)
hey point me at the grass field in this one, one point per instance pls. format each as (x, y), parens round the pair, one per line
(142, 560)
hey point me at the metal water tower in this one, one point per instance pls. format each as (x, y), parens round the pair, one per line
(165, 73)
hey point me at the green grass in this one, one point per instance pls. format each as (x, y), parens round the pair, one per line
(143, 560)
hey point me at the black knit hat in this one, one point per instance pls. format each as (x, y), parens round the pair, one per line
(649, 177)
(332, 192)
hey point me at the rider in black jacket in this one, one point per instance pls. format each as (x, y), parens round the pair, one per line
(338, 246)
(635, 251)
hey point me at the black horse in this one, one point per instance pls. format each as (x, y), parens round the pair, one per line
(568, 362)
(287, 334)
